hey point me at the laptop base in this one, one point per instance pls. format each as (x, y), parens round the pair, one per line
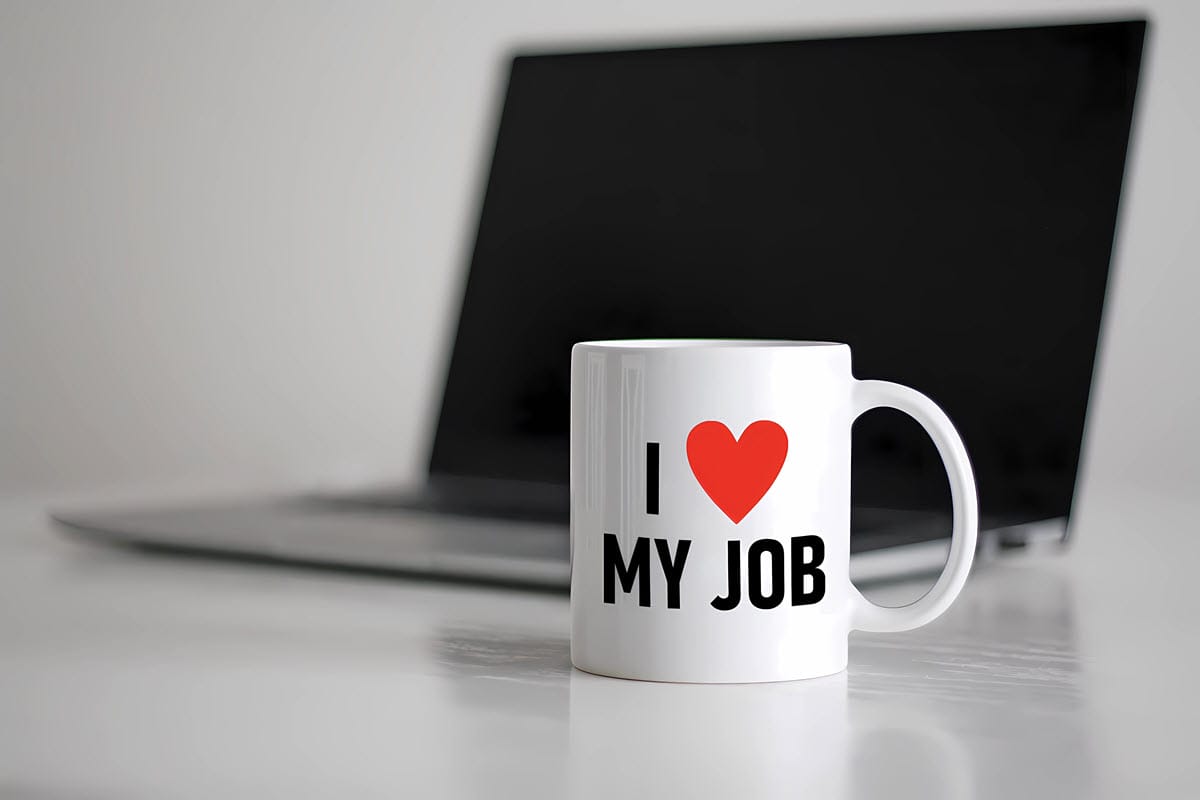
(388, 539)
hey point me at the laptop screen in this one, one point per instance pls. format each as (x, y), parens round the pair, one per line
(944, 202)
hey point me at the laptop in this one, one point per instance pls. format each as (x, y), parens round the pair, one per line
(944, 202)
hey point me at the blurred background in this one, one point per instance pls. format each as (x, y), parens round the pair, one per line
(233, 236)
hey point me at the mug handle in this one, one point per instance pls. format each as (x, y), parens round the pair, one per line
(868, 616)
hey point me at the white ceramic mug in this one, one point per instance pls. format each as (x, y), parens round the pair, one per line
(710, 509)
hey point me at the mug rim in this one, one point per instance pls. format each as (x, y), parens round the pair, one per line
(686, 344)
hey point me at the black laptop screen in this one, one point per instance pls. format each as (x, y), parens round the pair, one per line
(945, 203)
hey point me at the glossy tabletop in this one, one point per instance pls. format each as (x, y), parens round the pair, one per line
(132, 675)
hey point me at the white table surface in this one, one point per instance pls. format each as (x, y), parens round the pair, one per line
(127, 675)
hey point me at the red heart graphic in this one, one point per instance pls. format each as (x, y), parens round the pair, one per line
(736, 473)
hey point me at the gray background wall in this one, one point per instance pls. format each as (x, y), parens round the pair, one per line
(232, 234)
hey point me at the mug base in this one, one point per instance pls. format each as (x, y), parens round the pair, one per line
(748, 677)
